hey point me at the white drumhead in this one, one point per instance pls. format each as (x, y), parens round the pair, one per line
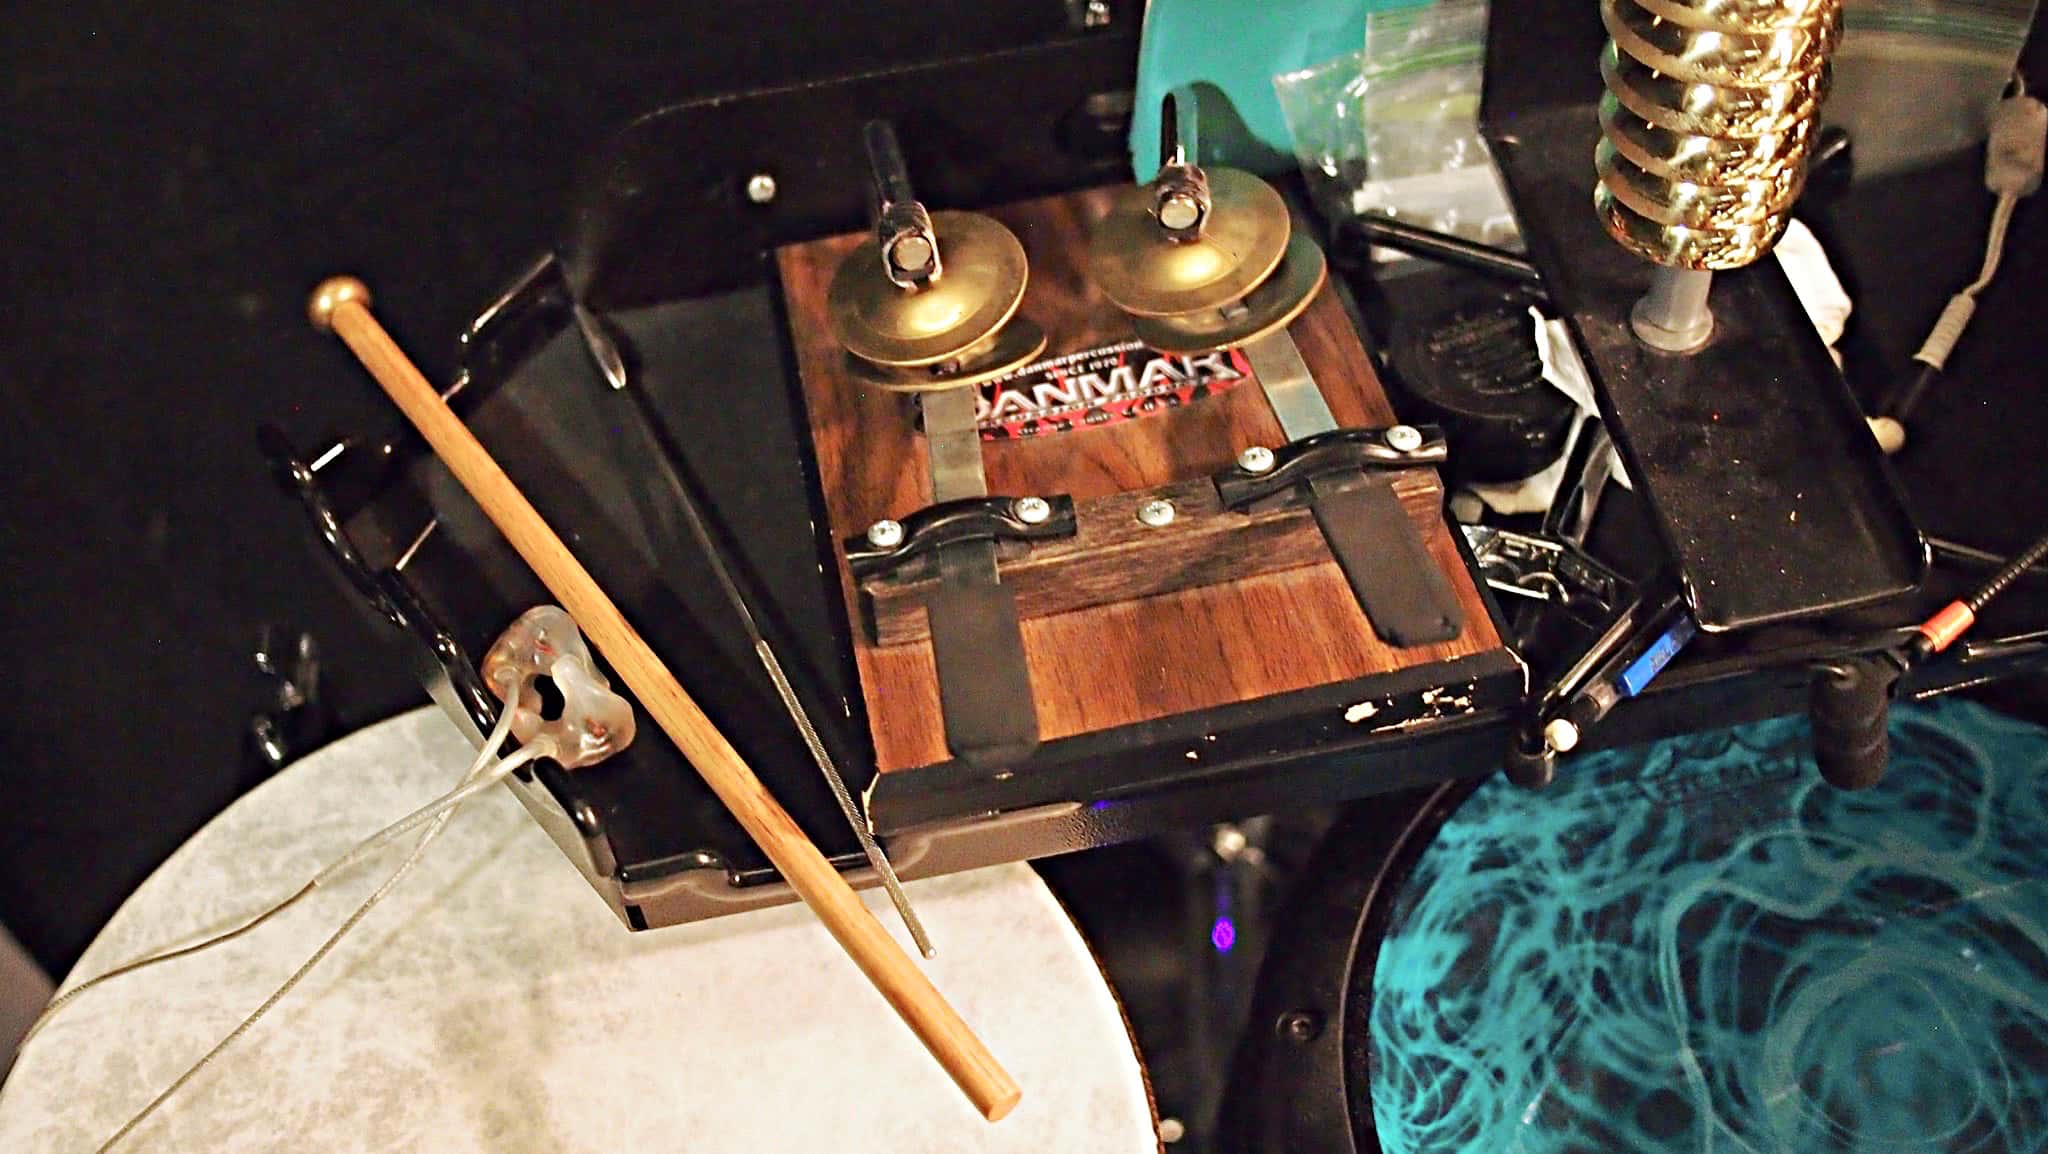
(493, 1004)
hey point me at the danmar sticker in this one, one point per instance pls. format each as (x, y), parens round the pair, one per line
(1099, 386)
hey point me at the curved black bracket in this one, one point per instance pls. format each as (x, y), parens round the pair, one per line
(393, 597)
(296, 478)
(951, 522)
(1337, 451)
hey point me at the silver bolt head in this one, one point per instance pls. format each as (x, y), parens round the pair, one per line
(885, 534)
(1257, 459)
(1404, 438)
(1229, 842)
(1034, 510)
(761, 188)
(911, 254)
(1156, 513)
(1178, 212)
(1172, 1130)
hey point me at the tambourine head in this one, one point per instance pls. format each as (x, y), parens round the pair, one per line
(976, 294)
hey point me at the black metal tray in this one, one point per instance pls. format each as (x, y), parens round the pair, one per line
(1751, 454)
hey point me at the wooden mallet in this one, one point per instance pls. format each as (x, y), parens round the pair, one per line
(343, 306)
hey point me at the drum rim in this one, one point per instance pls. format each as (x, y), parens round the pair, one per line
(1357, 872)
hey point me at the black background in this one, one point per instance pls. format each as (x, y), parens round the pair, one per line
(178, 179)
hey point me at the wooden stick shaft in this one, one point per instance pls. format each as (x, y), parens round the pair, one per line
(898, 979)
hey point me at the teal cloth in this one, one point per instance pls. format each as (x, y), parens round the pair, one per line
(1697, 945)
(1231, 50)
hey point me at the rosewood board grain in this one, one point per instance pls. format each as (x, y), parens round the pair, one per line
(1131, 661)
(1115, 557)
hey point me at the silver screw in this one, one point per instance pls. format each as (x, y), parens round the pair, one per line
(1156, 513)
(1257, 459)
(1180, 212)
(885, 534)
(761, 188)
(1034, 510)
(1172, 1130)
(1096, 15)
(1229, 842)
(1404, 438)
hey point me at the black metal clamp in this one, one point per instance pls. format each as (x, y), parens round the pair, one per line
(889, 546)
(1387, 564)
(1637, 644)
(1272, 478)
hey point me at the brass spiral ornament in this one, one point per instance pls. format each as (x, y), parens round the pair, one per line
(1709, 115)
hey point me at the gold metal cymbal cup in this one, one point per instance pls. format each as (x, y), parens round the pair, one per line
(1145, 272)
(1271, 306)
(1004, 352)
(983, 282)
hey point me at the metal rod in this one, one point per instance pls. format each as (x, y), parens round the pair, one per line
(903, 229)
(1179, 128)
(885, 162)
(1673, 316)
(1441, 246)
(682, 497)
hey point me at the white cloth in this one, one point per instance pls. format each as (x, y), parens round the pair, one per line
(493, 1003)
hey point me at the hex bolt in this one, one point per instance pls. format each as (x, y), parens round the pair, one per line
(1299, 1026)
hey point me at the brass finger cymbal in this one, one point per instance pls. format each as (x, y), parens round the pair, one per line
(1272, 305)
(1147, 273)
(983, 282)
(1001, 353)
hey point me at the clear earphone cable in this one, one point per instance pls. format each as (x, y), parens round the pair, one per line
(478, 777)
(438, 822)
(485, 772)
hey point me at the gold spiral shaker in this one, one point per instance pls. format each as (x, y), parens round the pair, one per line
(1709, 115)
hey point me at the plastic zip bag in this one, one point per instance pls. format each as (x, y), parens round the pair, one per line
(1394, 127)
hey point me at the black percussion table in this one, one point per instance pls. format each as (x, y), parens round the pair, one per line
(687, 280)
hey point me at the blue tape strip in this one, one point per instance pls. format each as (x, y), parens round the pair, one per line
(1640, 671)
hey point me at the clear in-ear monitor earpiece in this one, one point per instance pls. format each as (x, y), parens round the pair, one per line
(595, 722)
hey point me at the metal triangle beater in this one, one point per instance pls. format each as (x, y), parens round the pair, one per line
(682, 497)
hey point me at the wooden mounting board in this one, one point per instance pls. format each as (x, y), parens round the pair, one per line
(1134, 661)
